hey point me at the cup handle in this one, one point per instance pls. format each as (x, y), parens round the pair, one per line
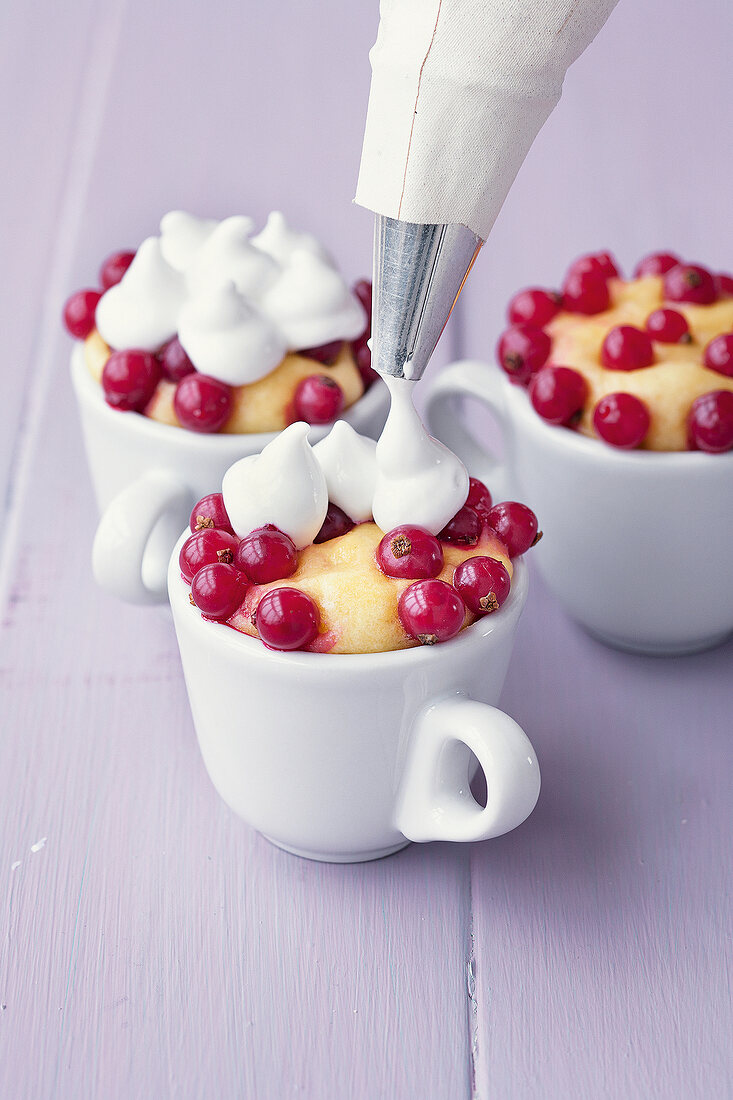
(136, 534)
(468, 378)
(435, 802)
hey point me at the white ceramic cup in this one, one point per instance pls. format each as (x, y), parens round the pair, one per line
(148, 476)
(638, 545)
(347, 757)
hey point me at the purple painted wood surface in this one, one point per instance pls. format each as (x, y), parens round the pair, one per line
(152, 945)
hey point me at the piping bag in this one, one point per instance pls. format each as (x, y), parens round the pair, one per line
(460, 89)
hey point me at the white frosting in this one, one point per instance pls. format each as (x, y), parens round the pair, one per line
(278, 240)
(349, 462)
(312, 305)
(182, 235)
(290, 295)
(142, 310)
(419, 480)
(229, 255)
(283, 485)
(228, 338)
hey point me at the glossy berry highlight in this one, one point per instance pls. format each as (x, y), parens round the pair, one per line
(710, 423)
(335, 524)
(409, 552)
(656, 263)
(287, 619)
(558, 395)
(266, 554)
(627, 348)
(719, 355)
(206, 547)
(533, 306)
(210, 512)
(114, 267)
(174, 362)
(218, 590)
(667, 326)
(479, 497)
(585, 292)
(202, 403)
(522, 350)
(129, 379)
(621, 420)
(690, 283)
(515, 525)
(431, 611)
(483, 584)
(318, 399)
(79, 312)
(464, 529)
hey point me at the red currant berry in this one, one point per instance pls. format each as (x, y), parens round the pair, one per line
(595, 263)
(202, 403)
(174, 362)
(627, 348)
(431, 611)
(710, 424)
(266, 554)
(464, 529)
(363, 291)
(515, 525)
(129, 379)
(724, 285)
(482, 583)
(522, 350)
(719, 355)
(287, 619)
(409, 552)
(218, 590)
(79, 313)
(324, 353)
(479, 497)
(558, 394)
(204, 548)
(335, 524)
(656, 263)
(533, 307)
(667, 326)
(689, 283)
(210, 512)
(318, 399)
(585, 292)
(114, 267)
(621, 420)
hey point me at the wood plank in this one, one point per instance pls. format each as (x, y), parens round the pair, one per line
(603, 925)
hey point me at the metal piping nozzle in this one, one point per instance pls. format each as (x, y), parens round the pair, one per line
(419, 271)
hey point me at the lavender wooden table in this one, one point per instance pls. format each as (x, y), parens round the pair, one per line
(150, 944)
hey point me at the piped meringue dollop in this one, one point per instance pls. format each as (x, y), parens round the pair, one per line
(349, 462)
(278, 240)
(227, 337)
(182, 235)
(291, 295)
(312, 305)
(283, 485)
(142, 310)
(418, 480)
(228, 254)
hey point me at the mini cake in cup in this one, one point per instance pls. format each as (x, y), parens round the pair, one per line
(195, 350)
(616, 407)
(340, 675)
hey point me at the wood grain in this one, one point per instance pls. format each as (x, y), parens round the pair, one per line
(150, 944)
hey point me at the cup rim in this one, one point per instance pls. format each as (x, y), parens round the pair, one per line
(88, 390)
(594, 449)
(226, 637)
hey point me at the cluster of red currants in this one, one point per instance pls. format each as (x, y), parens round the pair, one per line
(621, 419)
